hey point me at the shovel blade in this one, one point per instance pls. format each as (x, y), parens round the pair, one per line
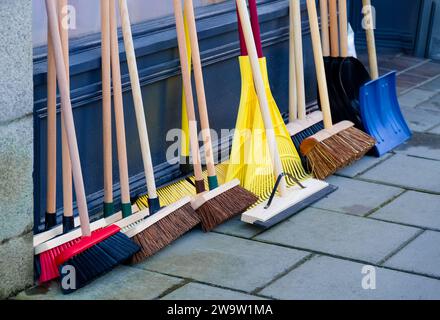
(381, 114)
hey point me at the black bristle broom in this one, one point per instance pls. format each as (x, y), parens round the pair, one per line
(98, 252)
(337, 145)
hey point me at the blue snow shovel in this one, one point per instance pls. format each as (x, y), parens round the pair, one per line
(380, 109)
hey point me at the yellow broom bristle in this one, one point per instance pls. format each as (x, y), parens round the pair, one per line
(164, 232)
(338, 151)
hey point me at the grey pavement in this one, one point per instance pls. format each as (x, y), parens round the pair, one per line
(376, 237)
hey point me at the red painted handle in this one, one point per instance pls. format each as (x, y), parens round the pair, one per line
(255, 30)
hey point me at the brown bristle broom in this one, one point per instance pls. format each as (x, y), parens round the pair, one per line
(337, 145)
(164, 225)
(223, 202)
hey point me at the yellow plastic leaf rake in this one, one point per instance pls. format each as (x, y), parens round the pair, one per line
(250, 159)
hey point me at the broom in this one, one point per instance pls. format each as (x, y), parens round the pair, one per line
(224, 202)
(230, 199)
(167, 224)
(300, 126)
(337, 145)
(95, 253)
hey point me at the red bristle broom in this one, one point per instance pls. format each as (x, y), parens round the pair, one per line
(94, 253)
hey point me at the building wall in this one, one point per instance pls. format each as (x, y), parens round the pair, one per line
(16, 146)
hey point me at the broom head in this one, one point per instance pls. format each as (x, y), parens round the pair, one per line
(162, 228)
(335, 148)
(223, 203)
(302, 129)
(95, 255)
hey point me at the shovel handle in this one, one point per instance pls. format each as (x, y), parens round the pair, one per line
(186, 77)
(119, 107)
(325, 28)
(371, 43)
(343, 28)
(293, 96)
(200, 87)
(261, 92)
(334, 32)
(319, 63)
(68, 117)
(106, 102)
(137, 98)
(299, 62)
(67, 166)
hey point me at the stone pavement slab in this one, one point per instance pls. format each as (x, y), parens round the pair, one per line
(356, 197)
(433, 85)
(436, 130)
(412, 208)
(429, 69)
(236, 227)
(432, 104)
(423, 145)
(420, 119)
(124, 283)
(361, 166)
(415, 97)
(329, 278)
(197, 291)
(421, 255)
(340, 234)
(407, 172)
(223, 260)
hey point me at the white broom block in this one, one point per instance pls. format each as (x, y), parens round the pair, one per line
(299, 125)
(118, 107)
(293, 196)
(261, 92)
(371, 43)
(75, 234)
(202, 198)
(200, 87)
(68, 117)
(137, 97)
(148, 222)
(58, 230)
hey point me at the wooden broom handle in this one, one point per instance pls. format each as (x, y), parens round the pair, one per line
(119, 107)
(200, 87)
(106, 101)
(371, 43)
(325, 27)
(67, 167)
(186, 78)
(319, 64)
(68, 117)
(334, 32)
(299, 62)
(51, 127)
(293, 96)
(137, 97)
(261, 92)
(343, 28)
